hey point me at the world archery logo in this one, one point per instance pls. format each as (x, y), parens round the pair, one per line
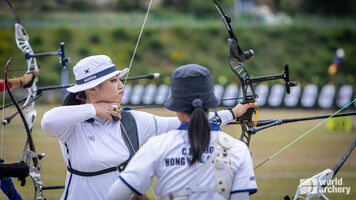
(86, 71)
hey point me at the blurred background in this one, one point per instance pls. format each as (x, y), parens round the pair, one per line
(316, 37)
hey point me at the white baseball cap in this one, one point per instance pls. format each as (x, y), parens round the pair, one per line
(93, 70)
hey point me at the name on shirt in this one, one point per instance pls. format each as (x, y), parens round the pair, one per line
(186, 157)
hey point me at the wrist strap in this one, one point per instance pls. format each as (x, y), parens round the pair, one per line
(232, 113)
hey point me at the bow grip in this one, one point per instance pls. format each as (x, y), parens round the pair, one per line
(246, 117)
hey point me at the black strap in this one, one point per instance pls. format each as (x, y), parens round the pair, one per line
(119, 168)
(80, 173)
(232, 113)
(129, 126)
(70, 177)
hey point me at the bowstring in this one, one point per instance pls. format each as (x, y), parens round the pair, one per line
(138, 40)
(300, 137)
(129, 69)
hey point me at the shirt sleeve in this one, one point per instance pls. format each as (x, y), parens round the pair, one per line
(225, 116)
(244, 176)
(149, 125)
(59, 122)
(2, 85)
(139, 173)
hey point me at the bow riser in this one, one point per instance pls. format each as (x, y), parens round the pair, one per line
(236, 58)
(22, 41)
(30, 111)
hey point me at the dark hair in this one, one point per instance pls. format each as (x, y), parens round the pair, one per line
(198, 133)
(74, 99)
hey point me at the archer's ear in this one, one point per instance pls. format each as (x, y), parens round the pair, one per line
(91, 91)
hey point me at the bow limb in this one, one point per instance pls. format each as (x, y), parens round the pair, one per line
(32, 158)
(28, 132)
(236, 58)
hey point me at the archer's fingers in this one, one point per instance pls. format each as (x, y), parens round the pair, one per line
(109, 117)
(116, 114)
(253, 105)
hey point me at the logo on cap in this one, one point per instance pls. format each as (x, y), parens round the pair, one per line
(86, 70)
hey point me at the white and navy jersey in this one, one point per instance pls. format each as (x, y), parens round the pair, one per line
(167, 157)
(98, 145)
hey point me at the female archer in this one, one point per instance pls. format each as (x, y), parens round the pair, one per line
(96, 138)
(195, 161)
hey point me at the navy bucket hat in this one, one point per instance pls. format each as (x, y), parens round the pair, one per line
(191, 86)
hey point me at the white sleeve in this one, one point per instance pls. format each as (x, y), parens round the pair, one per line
(240, 196)
(59, 122)
(149, 125)
(139, 173)
(119, 191)
(225, 115)
(244, 177)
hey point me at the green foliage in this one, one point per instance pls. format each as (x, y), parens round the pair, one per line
(128, 5)
(81, 6)
(201, 9)
(155, 44)
(63, 34)
(84, 51)
(309, 51)
(120, 34)
(95, 39)
(45, 6)
(329, 7)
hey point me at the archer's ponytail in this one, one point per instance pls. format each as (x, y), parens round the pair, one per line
(198, 132)
(74, 99)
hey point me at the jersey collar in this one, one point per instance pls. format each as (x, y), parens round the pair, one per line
(213, 126)
(99, 121)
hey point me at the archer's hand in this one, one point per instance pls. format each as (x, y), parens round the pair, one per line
(26, 79)
(240, 109)
(140, 197)
(107, 111)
